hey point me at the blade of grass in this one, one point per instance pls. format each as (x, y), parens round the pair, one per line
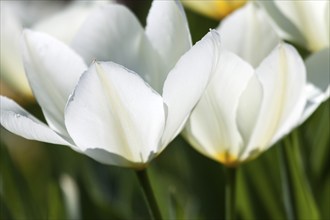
(287, 193)
(304, 202)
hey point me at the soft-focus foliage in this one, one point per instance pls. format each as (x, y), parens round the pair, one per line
(46, 181)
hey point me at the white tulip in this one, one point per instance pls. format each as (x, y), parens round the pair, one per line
(113, 114)
(258, 94)
(245, 110)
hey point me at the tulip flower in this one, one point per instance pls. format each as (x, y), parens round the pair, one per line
(251, 101)
(245, 110)
(54, 18)
(216, 9)
(257, 96)
(111, 112)
(306, 23)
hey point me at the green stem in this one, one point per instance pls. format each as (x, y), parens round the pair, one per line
(230, 196)
(149, 195)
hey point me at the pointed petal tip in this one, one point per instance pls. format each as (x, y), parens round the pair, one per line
(27, 31)
(215, 34)
(285, 46)
(27, 34)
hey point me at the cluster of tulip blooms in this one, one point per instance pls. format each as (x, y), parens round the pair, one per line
(120, 93)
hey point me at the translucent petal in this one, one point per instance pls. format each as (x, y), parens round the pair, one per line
(18, 121)
(212, 127)
(187, 81)
(248, 33)
(113, 33)
(283, 78)
(65, 24)
(318, 89)
(53, 70)
(114, 110)
(308, 17)
(168, 32)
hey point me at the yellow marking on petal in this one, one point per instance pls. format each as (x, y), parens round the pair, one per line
(224, 8)
(227, 159)
(214, 9)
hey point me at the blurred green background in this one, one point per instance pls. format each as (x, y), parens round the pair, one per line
(45, 181)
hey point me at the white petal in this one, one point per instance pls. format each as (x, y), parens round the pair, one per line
(168, 31)
(248, 109)
(65, 24)
(212, 124)
(11, 67)
(308, 17)
(53, 70)
(29, 12)
(106, 157)
(114, 110)
(283, 26)
(314, 99)
(113, 33)
(318, 76)
(187, 81)
(283, 78)
(248, 33)
(18, 121)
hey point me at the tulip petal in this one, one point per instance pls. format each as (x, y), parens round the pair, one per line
(314, 99)
(106, 157)
(113, 33)
(318, 76)
(18, 121)
(283, 78)
(168, 32)
(282, 24)
(114, 110)
(53, 70)
(213, 122)
(187, 81)
(248, 33)
(65, 24)
(248, 109)
(308, 17)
